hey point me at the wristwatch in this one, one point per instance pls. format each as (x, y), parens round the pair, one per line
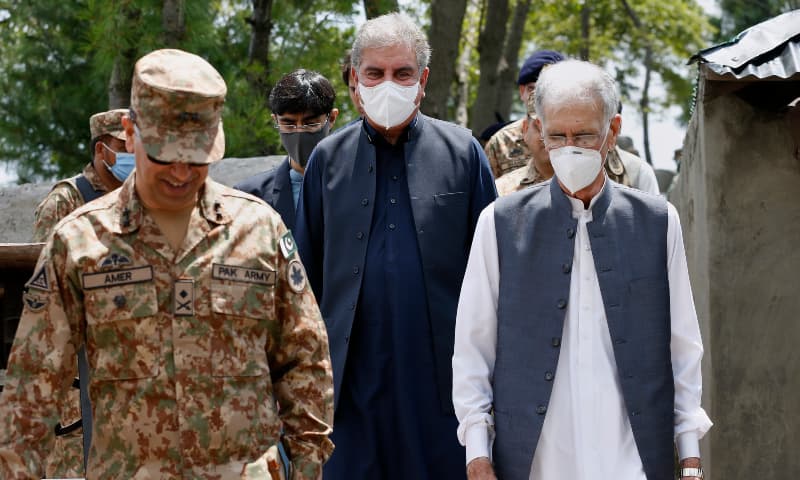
(696, 472)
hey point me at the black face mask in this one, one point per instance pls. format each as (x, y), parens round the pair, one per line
(300, 144)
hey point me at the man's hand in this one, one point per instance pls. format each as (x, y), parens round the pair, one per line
(480, 469)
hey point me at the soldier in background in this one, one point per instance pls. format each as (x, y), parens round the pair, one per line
(621, 166)
(506, 150)
(110, 166)
(206, 348)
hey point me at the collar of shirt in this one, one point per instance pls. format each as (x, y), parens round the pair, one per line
(411, 131)
(94, 178)
(577, 205)
(295, 176)
(130, 208)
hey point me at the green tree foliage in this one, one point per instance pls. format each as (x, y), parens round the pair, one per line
(739, 15)
(56, 59)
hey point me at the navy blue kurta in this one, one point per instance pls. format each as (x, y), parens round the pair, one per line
(389, 418)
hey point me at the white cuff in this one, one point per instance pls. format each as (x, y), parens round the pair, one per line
(688, 445)
(478, 441)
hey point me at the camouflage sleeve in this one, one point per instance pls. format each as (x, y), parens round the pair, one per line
(40, 367)
(492, 154)
(59, 203)
(300, 363)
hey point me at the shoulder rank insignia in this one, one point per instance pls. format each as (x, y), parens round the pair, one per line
(39, 280)
(296, 275)
(288, 247)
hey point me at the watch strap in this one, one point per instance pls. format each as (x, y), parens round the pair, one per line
(692, 472)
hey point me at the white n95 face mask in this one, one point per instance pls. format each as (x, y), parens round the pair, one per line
(388, 104)
(576, 167)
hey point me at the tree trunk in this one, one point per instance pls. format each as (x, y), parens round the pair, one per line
(376, 8)
(586, 15)
(258, 52)
(447, 18)
(508, 68)
(493, 33)
(173, 21)
(119, 83)
(644, 104)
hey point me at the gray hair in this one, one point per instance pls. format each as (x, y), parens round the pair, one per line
(576, 81)
(389, 30)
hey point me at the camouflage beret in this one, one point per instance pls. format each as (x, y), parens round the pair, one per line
(108, 123)
(176, 103)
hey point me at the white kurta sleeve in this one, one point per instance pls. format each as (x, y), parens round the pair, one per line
(691, 421)
(476, 341)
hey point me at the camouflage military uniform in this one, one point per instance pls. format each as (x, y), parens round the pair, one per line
(60, 202)
(506, 150)
(199, 358)
(66, 458)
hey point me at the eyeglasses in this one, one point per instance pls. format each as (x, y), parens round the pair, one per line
(306, 127)
(584, 140)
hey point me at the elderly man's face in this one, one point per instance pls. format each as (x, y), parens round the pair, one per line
(397, 63)
(578, 124)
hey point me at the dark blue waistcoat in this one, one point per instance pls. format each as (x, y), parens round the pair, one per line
(443, 166)
(275, 188)
(535, 242)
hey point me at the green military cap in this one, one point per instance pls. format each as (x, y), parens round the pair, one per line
(108, 123)
(176, 104)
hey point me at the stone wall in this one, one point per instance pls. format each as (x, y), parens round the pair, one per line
(737, 197)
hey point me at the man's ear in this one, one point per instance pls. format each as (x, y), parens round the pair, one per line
(127, 125)
(332, 116)
(98, 147)
(524, 125)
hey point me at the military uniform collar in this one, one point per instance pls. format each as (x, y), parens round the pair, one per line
(94, 178)
(131, 210)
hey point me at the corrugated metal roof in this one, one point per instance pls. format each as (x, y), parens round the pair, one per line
(770, 49)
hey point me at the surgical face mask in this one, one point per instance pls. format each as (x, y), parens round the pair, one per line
(576, 167)
(299, 145)
(124, 164)
(388, 104)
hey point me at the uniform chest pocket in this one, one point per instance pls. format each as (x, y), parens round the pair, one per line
(122, 335)
(240, 315)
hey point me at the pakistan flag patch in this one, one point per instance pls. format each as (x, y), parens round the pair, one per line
(288, 247)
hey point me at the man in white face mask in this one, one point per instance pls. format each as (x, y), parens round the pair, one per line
(386, 216)
(577, 348)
